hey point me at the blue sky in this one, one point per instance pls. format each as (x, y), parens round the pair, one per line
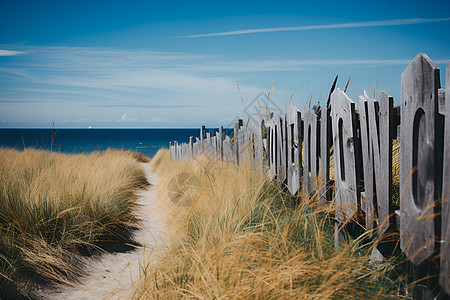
(177, 64)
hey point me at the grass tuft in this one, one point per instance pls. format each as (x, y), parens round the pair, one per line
(53, 206)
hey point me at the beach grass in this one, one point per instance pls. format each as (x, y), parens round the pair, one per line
(55, 208)
(237, 235)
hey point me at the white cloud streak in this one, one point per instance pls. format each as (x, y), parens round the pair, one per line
(383, 23)
(10, 52)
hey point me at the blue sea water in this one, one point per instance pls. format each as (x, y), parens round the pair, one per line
(145, 141)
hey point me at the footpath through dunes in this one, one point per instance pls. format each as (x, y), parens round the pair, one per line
(111, 275)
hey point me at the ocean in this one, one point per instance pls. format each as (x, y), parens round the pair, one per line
(145, 141)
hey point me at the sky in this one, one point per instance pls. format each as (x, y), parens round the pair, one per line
(168, 64)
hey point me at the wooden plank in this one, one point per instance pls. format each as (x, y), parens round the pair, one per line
(191, 147)
(444, 279)
(367, 153)
(311, 150)
(202, 133)
(220, 143)
(175, 145)
(343, 120)
(325, 146)
(293, 121)
(376, 119)
(265, 136)
(236, 142)
(259, 145)
(273, 147)
(281, 149)
(441, 101)
(419, 92)
(383, 162)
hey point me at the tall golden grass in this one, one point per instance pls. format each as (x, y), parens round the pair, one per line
(53, 206)
(236, 235)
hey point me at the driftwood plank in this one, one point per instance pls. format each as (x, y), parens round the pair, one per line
(343, 120)
(310, 149)
(293, 121)
(419, 92)
(445, 250)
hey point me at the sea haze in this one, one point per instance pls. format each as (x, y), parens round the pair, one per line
(145, 141)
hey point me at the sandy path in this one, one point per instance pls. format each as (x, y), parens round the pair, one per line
(111, 275)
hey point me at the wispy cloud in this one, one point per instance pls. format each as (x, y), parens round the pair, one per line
(10, 52)
(125, 118)
(382, 23)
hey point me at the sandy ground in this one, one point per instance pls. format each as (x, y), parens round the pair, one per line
(111, 275)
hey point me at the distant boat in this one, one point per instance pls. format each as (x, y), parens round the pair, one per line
(90, 127)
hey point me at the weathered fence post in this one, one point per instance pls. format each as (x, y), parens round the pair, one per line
(325, 146)
(294, 146)
(273, 145)
(191, 147)
(445, 246)
(310, 149)
(220, 145)
(376, 120)
(347, 178)
(236, 141)
(419, 158)
(281, 148)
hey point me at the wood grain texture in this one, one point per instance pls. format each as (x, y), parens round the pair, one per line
(325, 146)
(310, 149)
(293, 121)
(444, 279)
(281, 148)
(419, 96)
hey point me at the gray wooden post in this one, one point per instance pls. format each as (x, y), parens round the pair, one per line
(384, 176)
(325, 146)
(191, 147)
(175, 150)
(310, 150)
(344, 139)
(221, 143)
(418, 157)
(259, 144)
(281, 149)
(202, 133)
(444, 279)
(294, 147)
(236, 142)
(273, 147)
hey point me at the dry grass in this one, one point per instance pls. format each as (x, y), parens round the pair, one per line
(53, 206)
(238, 236)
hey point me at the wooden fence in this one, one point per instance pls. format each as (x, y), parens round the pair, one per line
(295, 148)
